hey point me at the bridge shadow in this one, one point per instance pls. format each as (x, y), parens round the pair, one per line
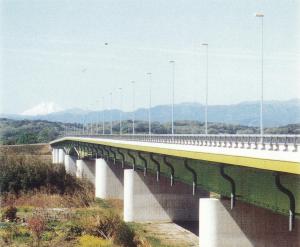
(186, 211)
(263, 227)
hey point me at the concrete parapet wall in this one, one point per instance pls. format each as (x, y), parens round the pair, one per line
(108, 180)
(146, 199)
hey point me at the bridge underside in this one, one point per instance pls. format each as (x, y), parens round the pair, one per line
(240, 189)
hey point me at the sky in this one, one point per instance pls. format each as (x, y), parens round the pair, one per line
(54, 51)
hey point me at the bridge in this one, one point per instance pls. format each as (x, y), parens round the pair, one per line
(242, 189)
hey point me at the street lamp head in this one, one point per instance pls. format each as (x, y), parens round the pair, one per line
(149, 73)
(171, 61)
(205, 44)
(259, 14)
(105, 43)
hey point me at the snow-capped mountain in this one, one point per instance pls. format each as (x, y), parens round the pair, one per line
(43, 108)
(276, 113)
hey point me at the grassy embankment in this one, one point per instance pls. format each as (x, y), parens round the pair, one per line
(41, 205)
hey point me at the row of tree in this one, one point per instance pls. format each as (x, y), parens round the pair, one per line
(38, 131)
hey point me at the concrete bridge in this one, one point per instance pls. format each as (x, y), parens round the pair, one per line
(243, 190)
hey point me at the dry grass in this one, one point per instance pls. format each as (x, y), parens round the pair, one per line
(29, 149)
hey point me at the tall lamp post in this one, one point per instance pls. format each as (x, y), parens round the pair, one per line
(121, 103)
(172, 62)
(98, 118)
(206, 88)
(110, 111)
(133, 106)
(149, 111)
(261, 16)
(103, 123)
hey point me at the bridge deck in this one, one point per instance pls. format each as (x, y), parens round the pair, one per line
(262, 159)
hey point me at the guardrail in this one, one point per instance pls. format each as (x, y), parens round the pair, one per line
(266, 142)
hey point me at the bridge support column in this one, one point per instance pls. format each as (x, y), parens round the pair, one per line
(145, 199)
(217, 227)
(245, 225)
(86, 169)
(108, 180)
(54, 155)
(61, 156)
(70, 164)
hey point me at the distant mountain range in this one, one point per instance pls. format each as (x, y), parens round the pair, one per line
(276, 113)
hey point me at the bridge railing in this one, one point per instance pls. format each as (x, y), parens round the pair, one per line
(267, 142)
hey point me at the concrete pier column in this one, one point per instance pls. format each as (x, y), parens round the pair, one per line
(54, 155)
(145, 199)
(245, 225)
(70, 164)
(217, 227)
(108, 180)
(85, 168)
(61, 156)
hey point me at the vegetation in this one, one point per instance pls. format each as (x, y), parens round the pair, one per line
(41, 205)
(37, 131)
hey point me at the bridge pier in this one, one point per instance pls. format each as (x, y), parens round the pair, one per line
(61, 156)
(70, 164)
(245, 225)
(217, 227)
(108, 180)
(85, 168)
(58, 155)
(146, 199)
(54, 155)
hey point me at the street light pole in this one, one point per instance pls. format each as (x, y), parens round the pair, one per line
(172, 62)
(121, 103)
(149, 112)
(261, 16)
(103, 108)
(110, 110)
(133, 106)
(98, 117)
(206, 88)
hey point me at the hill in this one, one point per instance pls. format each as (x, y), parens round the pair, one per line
(276, 113)
(41, 131)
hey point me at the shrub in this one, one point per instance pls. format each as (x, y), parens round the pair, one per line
(37, 227)
(73, 231)
(19, 174)
(111, 227)
(10, 213)
(105, 226)
(124, 235)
